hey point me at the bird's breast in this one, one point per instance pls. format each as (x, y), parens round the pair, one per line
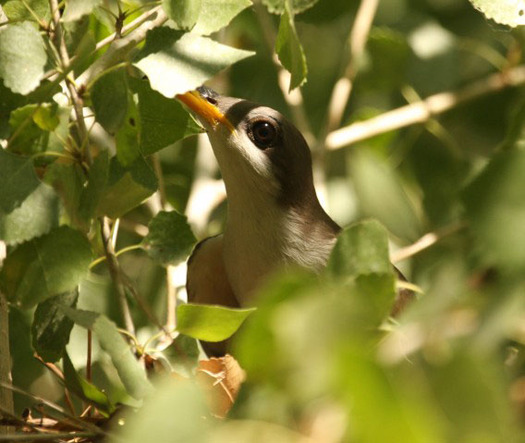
(250, 254)
(256, 247)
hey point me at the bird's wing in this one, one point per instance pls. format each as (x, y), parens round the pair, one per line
(207, 282)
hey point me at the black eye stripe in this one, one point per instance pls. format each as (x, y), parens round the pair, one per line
(264, 133)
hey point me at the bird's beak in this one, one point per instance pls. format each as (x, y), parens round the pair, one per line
(204, 109)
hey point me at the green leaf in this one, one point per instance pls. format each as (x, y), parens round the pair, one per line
(129, 370)
(510, 13)
(183, 355)
(22, 57)
(301, 316)
(163, 121)
(495, 203)
(374, 396)
(84, 389)
(441, 176)
(127, 187)
(379, 291)
(75, 9)
(388, 57)
(381, 195)
(128, 136)
(30, 126)
(279, 6)
(479, 406)
(360, 249)
(9, 101)
(51, 327)
(260, 328)
(176, 62)
(17, 10)
(68, 182)
(183, 12)
(210, 323)
(289, 49)
(216, 14)
(17, 180)
(37, 215)
(109, 95)
(80, 41)
(170, 239)
(92, 193)
(46, 266)
(515, 133)
(175, 412)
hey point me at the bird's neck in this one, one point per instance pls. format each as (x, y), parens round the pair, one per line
(262, 236)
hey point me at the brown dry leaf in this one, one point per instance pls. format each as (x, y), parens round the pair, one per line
(221, 379)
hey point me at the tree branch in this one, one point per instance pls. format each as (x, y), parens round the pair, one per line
(422, 111)
(120, 48)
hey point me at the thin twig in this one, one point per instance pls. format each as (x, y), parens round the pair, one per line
(73, 92)
(343, 87)
(6, 396)
(89, 355)
(121, 281)
(342, 90)
(127, 28)
(171, 299)
(116, 275)
(422, 111)
(120, 48)
(132, 226)
(157, 167)
(142, 304)
(58, 373)
(171, 290)
(129, 248)
(82, 424)
(357, 39)
(425, 242)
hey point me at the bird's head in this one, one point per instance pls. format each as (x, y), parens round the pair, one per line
(257, 148)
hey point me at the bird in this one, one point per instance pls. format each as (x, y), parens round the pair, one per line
(274, 218)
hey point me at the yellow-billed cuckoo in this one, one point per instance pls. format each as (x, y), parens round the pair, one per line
(274, 218)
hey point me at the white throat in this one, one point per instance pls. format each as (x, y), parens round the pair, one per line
(261, 238)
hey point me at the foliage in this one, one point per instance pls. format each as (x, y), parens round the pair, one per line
(101, 202)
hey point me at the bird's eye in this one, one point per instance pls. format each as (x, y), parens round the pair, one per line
(263, 133)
